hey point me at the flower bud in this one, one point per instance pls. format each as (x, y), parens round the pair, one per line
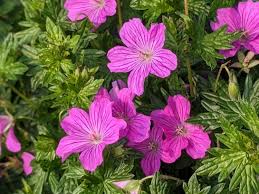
(233, 89)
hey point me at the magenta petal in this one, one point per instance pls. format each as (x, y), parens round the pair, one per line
(253, 45)
(123, 184)
(178, 107)
(94, 10)
(125, 95)
(229, 17)
(150, 164)
(27, 158)
(102, 93)
(199, 141)
(249, 14)
(112, 131)
(164, 121)
(137, 78)
(230, 52)
(71, 144)
(12, 143)
(122, 59)
(120, 90)
(110, 8)
(138, 128)
(163, 63)
(5, 123)
(157, 35)
(92, 157)
(172, 148)
(134, 34)
(76, 122)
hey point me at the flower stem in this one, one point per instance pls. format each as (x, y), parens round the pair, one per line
(166, 177)
(119, 13)
(186, 10)
(223, 66)
(189, 68)
(19, 94)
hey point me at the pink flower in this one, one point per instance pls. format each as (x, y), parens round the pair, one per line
(124, 184)
(96, 10)
(143, 54)
(151, 148)
(138, 125)
(89, 133)
(27, 158)
(180, 134)
(12, 143)
(244, 18)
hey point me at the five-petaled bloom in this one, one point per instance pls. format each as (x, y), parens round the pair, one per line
(12, 143)
(96, 10)
(138, 125)
(143, 54)
(89, 133)
(180, 134)
(152, 150)
(244, 18)
(27, 159)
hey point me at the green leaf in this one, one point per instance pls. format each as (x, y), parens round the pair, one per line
(158, 186)
(193, 186)
(45, 148)
(237, 160)
(10, 67)
(153, 9)
(210, 44)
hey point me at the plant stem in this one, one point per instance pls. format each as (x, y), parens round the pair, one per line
(166, 177)
(19, 94)
(219, 73)
(119, 13)
(186, 10)
(189, 68)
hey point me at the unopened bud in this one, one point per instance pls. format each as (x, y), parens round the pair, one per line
(233, 89)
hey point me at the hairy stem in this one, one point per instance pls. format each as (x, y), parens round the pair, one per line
(119, 13)
(166, 177)
(186, 10)
(223, 66)
(188, 63)
(19, 94)
(189, 70)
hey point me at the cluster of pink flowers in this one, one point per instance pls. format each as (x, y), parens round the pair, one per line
(112, 116)
(244, 18)
(12, 143)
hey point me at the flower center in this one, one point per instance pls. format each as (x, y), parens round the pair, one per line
(100, 3)
(153, 146)
(96, 138)
(146, 56)
(181, 130)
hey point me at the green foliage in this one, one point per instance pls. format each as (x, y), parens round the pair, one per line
(193, 186)
(158, 186)
(153, 9)
(10, 67)
(237, 160)
(77, 89)
(209, 45)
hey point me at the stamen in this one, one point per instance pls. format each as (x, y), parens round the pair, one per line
(153, 146)
(181, 130)
(96, 138)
